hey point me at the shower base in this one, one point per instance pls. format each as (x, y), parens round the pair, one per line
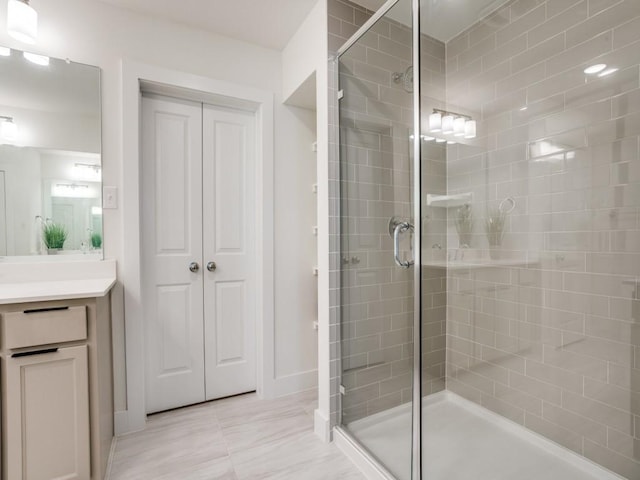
(462, 441)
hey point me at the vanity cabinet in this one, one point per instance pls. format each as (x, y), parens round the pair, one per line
(57, 389)
(48, 414)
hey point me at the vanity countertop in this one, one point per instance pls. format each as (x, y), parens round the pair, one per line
(55, 281)
(54, 290)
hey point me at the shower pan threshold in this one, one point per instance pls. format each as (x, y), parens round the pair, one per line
(461, 441)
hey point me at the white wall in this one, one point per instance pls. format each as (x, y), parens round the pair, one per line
(23, 196)
(305, 57)
(99, 34)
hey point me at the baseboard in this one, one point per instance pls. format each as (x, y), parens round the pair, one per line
(121, 423)
(322, 426)
(369, 467)
(298, 382)
(112, 451)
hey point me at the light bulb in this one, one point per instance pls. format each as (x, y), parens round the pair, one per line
(458, 127)
(447, 124)
(8, 130)
(22, 21)
(470, 129)
(435, 122)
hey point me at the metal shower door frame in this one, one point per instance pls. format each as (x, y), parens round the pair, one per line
(416, 467)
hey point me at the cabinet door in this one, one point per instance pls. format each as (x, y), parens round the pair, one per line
(48, 416)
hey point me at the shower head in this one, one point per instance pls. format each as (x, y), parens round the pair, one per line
(406, 78)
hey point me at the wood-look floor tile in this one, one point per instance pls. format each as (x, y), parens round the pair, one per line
(239, 438)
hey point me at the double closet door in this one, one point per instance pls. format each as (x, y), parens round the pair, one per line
(198, 251)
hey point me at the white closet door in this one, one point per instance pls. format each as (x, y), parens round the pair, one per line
(171, 241)
(229, 153)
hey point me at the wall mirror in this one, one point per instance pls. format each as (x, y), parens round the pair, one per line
(50, 158)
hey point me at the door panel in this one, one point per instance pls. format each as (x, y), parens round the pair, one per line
(229, 323)
(229, 240)
(171, 240)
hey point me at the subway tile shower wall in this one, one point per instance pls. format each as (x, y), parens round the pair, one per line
(376, 297)
(547, 333)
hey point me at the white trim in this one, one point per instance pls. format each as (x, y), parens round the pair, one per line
(112, 453)
(295, 383)
(321, 425)
(132, 76)
(360, 458)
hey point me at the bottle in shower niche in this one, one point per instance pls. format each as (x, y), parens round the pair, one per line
(464, 225)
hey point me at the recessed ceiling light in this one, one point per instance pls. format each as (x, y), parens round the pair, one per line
(5, 51)
(593, 69)
(609, 71)
(42, 60)
(441, 140)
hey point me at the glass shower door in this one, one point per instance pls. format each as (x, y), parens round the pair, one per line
(377, 238)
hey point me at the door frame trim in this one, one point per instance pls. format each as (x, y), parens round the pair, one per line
(134, 76)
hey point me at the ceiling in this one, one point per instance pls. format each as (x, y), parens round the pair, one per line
(441, 19)
(270, 23)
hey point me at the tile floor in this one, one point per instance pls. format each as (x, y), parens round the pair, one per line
(233, 439)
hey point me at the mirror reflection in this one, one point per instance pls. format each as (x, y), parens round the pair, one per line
(50, 163)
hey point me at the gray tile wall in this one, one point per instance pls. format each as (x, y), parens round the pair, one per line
(376, 296)
(544, 329)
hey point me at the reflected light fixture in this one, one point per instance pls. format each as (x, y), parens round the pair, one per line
(8, 129)
(435, 122)
(447, 124)
(5, 51)
(470, 129)
(593, 69)
(608, 71)
(22, 21)
(41, 60)
(459, 126)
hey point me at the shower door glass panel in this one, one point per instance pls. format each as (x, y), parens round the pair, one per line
(532, 248)
(376, 143)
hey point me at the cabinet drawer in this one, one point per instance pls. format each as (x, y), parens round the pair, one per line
(46, 326)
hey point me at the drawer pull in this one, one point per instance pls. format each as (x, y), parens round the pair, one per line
(51, 309)
(36, 352)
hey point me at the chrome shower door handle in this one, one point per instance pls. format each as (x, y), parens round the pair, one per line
(400, 228)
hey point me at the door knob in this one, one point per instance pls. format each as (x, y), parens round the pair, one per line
(211, 266)
(194, 267)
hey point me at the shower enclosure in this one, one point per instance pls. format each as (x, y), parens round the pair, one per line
(490, 237)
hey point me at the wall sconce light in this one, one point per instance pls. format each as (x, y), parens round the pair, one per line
(22, 21)
(8, 129)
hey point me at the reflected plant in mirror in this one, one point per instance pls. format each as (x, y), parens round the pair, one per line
(54, 236)
(50, 159)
